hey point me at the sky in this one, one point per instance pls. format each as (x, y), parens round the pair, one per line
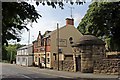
(50, 18)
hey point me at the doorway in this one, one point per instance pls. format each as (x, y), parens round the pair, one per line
(39, 64)
(78, 63)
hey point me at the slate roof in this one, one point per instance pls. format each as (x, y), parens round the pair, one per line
(54, 31)
(24, 47)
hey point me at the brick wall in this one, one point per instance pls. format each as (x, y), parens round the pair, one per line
(107, 66)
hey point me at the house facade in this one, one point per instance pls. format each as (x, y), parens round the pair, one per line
(24, 56)
(37, 49)
(67, 35)
(40, 47)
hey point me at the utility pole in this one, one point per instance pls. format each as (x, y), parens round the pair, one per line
(29, 33)
(45, 50)
(11, 57)
(58, 43)
(28, 37)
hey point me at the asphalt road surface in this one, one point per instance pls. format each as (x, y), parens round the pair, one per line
(15, 72)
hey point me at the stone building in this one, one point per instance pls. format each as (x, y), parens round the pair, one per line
(93, 56)
(77, 52)
(67, 35)
(49, 56)
(90, 49)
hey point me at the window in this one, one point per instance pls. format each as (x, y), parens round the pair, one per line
(54, 54)
(42, 42)
(48, 60)
(39, 42)
(48, 41)
(60, 50)
(18, 59)
(42, 59)
(42, 49)
(71, 40)
(18, 52)
(35, 59)
(23, 59)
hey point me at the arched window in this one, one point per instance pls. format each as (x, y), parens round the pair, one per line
(71, 40)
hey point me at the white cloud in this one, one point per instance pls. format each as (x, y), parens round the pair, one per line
(77, 18)
(42, 25)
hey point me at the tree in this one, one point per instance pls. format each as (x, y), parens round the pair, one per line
(10, 51)
(16, 15)
(60, 3)
(4, 53)
(15, 18)
(102, 20)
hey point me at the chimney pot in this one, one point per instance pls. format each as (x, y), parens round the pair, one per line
(69, 21)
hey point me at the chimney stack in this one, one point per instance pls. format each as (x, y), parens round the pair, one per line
(69, 21)
(39, 32)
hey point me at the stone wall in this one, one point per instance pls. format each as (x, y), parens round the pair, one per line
(113, 55)
(66, 65)
(107, 66)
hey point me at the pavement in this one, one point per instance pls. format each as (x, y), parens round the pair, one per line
(76, 75)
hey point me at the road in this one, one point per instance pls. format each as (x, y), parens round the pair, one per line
(16, 72)
(12, 71)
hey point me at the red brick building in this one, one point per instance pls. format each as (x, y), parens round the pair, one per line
(41, 47)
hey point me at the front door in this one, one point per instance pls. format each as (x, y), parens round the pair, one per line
(39, 64)
(78, 63)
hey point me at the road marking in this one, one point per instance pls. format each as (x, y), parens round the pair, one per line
(27, 77)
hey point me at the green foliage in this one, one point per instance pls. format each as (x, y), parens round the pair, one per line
(102, 20)
(59, 3)
(15, 18)
(10, 51)
(4, 53)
